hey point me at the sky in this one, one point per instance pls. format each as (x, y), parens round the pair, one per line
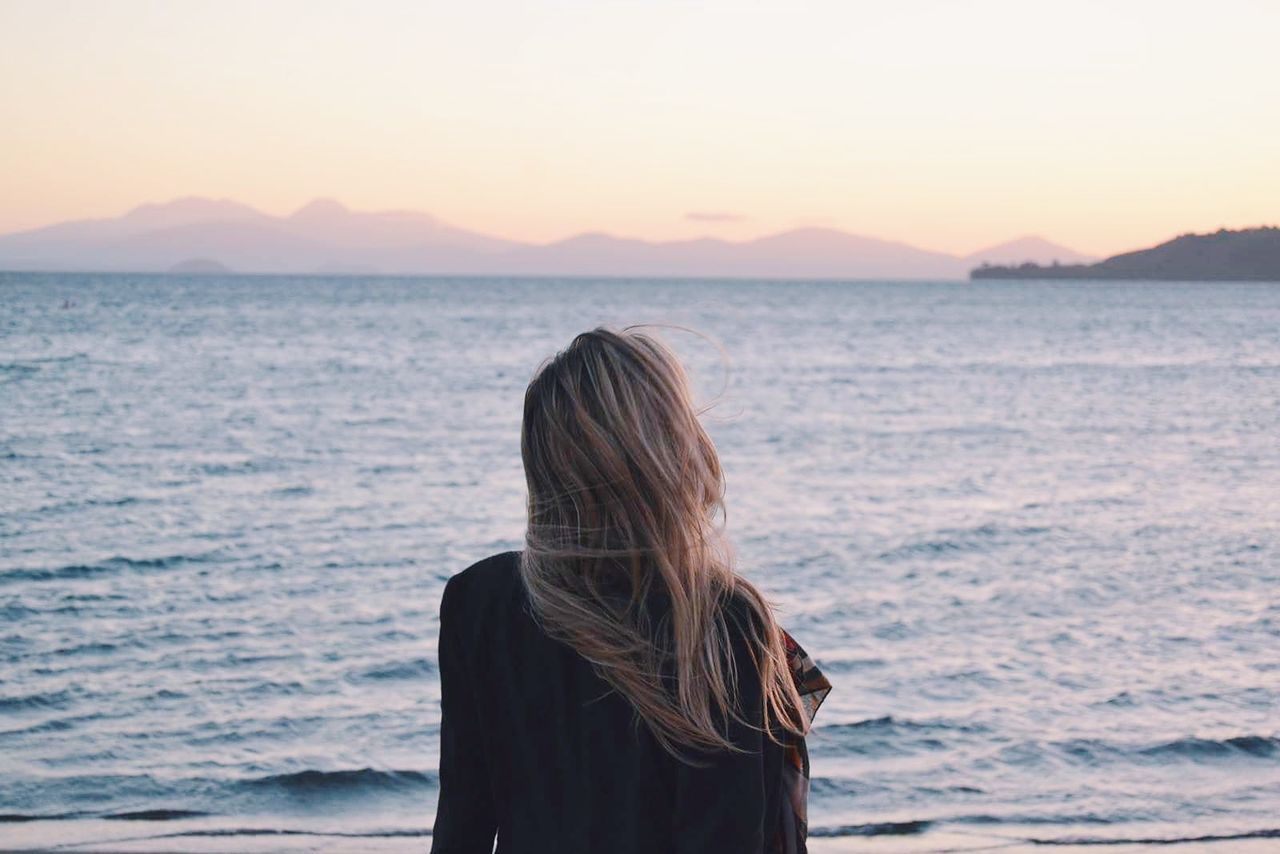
(1104, 126)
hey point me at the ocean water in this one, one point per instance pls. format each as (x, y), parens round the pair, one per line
(1031, 531)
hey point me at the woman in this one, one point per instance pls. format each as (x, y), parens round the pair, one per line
(616, 687)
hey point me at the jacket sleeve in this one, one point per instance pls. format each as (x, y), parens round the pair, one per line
(720, 806)
(465, 820)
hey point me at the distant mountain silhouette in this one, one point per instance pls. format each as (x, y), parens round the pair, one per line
(328, 221)
(322, 235)
(1251, 254)
(1029, 249)
(806, 253)
(200, 267)
(325, 236)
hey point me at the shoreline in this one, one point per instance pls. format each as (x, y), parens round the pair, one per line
(960, 844)
(936, 842)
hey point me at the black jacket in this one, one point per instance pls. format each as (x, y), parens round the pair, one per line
(540, 751)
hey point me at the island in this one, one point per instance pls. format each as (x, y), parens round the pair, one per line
(1244, 255)
(200, 267)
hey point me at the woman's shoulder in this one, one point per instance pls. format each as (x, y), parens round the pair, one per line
(482, 580)
(742, 612)
(745, 628)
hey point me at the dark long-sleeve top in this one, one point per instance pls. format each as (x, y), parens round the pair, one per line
(539, 752)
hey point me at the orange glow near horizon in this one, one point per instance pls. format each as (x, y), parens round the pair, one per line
(1101, 126)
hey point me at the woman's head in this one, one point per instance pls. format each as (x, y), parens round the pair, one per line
(613, 449)
(624, 559)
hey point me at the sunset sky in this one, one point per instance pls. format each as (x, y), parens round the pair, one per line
(950, 125)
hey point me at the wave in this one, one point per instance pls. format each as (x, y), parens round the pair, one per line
(70, 506)
(14, 611)
(416, 669)
(1096, 751)
(889, 736)
(959, 540)
(156, 815)
(890, 723)
(910, 828)
(270, 831)
(56, 700)
(143, 798)
(291, 492)
(111, 565)
(888, 828)
(247, 466)
(36, 729)
(1268, 833)
(14, 371)
(17, 817)
(11, 371)
(1032, 820)
(312, 780)
(1205, 748)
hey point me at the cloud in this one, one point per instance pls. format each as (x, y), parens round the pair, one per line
(704, 216)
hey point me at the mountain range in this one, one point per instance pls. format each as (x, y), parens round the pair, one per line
(208, 235)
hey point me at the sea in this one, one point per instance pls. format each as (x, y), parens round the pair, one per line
(1030, 530)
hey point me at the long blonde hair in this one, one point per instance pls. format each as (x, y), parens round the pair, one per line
(623, 559)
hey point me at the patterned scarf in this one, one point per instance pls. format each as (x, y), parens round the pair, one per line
(793, 829)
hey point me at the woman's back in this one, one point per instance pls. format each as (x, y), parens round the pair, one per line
(541, 751)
